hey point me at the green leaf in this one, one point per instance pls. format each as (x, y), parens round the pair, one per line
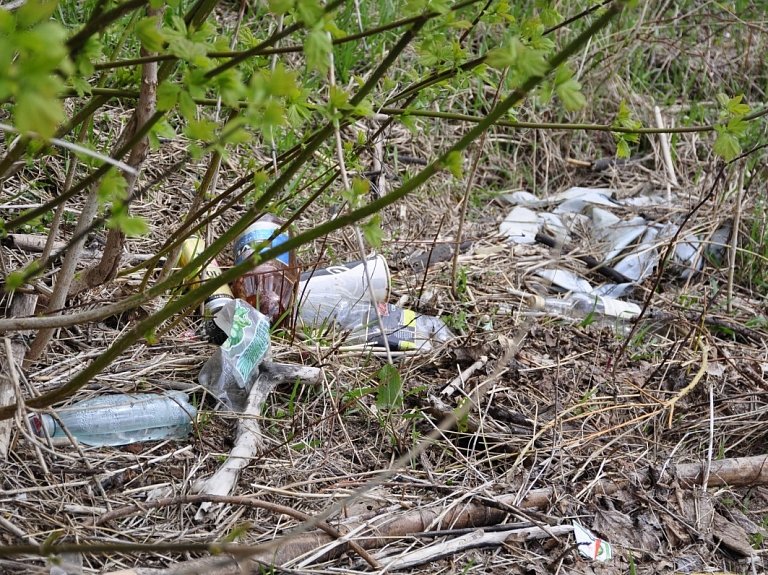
(338, 97)
(272, 116)
(204, 130)
(390, 391)
(13, 281)
(128, 224)
(358, 190)
(81, 86)
(570, 94)
(624, 120)
(543, 44)
(281, 82)
(34, 11)
(726, 145)
(415, 7)
(622, 148)
(112, 187)
(550, 17)
(36, 113)
(737, 126)
(504, 56)
(360, 186)
(623, 116)
(735, 106)
(533, 62)
(310, 12)
(281, 6)
(364, 109)
(372, 231)
(455, 164)
(149, 35)
(134, 226)
(317, 49)
(187, 105)
(161, 129)
(188, 50)
(462, 25)
(335, 31)
(167, 95)
(410, 123)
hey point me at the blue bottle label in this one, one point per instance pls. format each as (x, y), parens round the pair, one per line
(257, 233)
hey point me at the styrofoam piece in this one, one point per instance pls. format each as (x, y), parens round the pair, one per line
(623, 235)
(687, 256)
(578, 204)
(566, 280)
(523, 198)
(645, 201)
(521, 225)
(579, 192)
(642, 261)
(602, 219)
(719, 241)
(554, 224)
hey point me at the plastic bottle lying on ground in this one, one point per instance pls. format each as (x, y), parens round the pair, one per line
(122, 419)
(602, 311)
(349, 279)
(581, 305)
(404, 329)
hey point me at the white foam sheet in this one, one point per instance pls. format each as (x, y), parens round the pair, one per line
(521, 225)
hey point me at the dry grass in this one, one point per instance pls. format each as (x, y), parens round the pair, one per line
(561, 406)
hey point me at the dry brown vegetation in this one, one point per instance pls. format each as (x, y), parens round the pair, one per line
(620, 431)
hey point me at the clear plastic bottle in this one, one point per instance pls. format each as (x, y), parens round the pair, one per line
(404, 329)
(270, 287)
(349, 279)
(122, 419)
(581, 305)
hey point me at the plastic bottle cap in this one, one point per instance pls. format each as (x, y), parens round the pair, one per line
(40, 420)
(536, 302)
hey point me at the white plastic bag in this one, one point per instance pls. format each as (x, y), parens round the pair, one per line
(230, 373)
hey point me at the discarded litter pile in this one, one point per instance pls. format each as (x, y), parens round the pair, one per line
(352, 298)
(624, 248)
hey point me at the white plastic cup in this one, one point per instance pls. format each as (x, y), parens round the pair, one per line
(348, 280)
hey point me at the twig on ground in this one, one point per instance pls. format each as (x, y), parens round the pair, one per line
(248, 439)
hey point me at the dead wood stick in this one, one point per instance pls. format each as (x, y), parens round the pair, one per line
(35, 243)
(738, 472)
(248, 440)
(231, 500)
(475, 539)
(23, 304)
